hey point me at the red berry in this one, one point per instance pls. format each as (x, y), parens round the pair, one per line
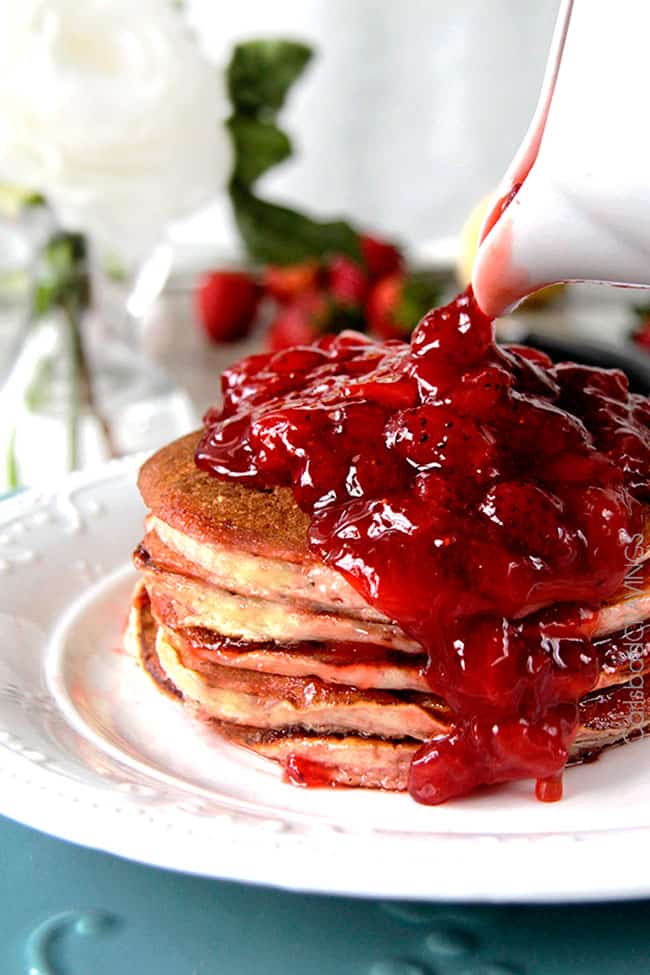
(642, 336)
(226, 303)
(285, 283)
(346, 281)
(381, 308)
(379, 257)
(298, 323)
(289, 329)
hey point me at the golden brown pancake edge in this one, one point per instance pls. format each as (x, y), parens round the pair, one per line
(261, 522)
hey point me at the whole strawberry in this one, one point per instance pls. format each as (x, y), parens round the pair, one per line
(642, 338)
(641, 334)
(380, 258)
(299, 322)
(347, 282)
(226, 304)
(397, 302)
(286, 282)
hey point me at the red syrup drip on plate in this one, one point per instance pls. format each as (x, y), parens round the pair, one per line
(549, 789)
(306, 773)
(479, 495)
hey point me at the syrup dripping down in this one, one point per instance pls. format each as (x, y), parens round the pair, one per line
(479, 495)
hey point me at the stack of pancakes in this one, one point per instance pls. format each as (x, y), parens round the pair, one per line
(237, 618)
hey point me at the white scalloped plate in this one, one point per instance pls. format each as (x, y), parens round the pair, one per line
(91, 752)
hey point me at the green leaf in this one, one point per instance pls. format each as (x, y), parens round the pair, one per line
(258, 146)
(261, 72)
(44, 298)
(39, 391)
(343, 317)
(12, 473)
(259, 77)
(275, 234)
(421, 291)
(63, 251)
(61, 273)
(14, 198)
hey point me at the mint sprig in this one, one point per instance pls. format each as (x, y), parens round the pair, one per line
(275, 234)
(258, 146)
(259, 76)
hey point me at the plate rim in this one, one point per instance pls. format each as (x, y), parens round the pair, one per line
(278, 840)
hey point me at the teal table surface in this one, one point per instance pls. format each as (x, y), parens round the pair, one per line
(66, 910)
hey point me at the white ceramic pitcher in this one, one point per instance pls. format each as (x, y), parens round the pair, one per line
(575, 202)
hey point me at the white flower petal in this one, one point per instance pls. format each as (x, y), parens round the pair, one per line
(110, 109)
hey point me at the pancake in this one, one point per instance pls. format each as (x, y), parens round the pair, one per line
(267, 523)
(279, 654)
(607, 717)
(264, 522)
(268, 700)
(360, 665)
(183, 602)
(187, 599)
(374, 667)
(312, 584)
(254, 542)
(140, 641)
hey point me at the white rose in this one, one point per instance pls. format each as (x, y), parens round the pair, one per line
(109, 108)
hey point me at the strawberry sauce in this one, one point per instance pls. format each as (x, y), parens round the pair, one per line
(479, 495)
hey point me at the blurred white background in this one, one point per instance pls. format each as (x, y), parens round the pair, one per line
(411, 111)
(409, 114)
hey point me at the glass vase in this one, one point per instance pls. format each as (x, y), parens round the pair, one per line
(81, 389)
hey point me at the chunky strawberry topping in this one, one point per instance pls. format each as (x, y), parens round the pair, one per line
(484, 498)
